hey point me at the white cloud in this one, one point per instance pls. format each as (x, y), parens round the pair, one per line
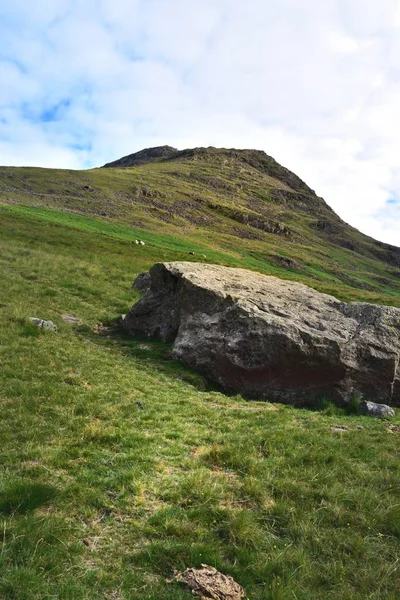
(314, 84)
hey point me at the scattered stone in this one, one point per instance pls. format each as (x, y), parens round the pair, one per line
(208, 583)
(392, 428)
(70, 319)
(338, 428)
(140, 405)
(272, 339)
(142, 282)
(360, 427)
(136, 242)
(42, 324)
(141, 242)
(203, 256)
(379, 411)
(71, 381)
(191, 253)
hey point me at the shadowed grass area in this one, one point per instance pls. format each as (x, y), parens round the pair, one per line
(119, 465)
(24, 496)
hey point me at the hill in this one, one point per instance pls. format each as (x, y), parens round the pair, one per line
(120, 465)
(239, 206)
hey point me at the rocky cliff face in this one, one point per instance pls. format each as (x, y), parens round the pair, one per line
(271, 339)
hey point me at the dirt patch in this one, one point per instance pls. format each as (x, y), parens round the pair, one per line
(392, 428)
(210, 584)
(249, 406)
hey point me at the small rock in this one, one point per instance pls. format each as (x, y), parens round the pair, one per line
(203, 256)
(360, 427)
(136, 242)
(208, 583)
(393, 428)
(379, 411)
(141, 242)
(70, 319)
(140, 404)
(338, 428)
(42, 324)
(191, 253)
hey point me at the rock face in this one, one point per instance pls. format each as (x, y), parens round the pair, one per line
(268, 338)
(142, 282)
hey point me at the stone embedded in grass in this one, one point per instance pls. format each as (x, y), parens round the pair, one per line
(70, 319)
(379, 411)
(208, 583)
(393, 428)
(42, 324)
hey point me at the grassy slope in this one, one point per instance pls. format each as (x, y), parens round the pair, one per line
(101, 499)
(202, 203)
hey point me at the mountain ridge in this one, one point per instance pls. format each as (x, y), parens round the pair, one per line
(255, 158)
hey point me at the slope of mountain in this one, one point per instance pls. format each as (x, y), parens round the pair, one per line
(240, 203)
(119, 464)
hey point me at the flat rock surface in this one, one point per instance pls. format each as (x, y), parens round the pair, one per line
(269, 338)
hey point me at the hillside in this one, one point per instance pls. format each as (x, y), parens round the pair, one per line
(238, 206)
(119, 464)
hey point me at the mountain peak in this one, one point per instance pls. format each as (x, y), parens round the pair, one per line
(144, 156)
(257, 159)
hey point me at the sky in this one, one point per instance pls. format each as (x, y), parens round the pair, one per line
(313, 83)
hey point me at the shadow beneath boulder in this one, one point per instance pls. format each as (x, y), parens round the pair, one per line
(153, 353)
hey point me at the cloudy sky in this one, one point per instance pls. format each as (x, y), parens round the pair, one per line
(314, 83)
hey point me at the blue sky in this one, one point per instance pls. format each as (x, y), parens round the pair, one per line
(314, 84)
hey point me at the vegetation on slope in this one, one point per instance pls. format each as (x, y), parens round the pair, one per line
(238, 206)
(118, 465)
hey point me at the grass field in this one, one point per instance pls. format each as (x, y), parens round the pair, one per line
(118, 465)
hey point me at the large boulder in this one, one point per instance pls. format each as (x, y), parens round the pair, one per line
(268, 338)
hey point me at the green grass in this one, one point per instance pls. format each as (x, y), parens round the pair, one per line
(119, 465)
(201, 203)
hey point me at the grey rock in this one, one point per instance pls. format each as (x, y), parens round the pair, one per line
(272, 339)
(70, 319)
(42, 324)
(378, 411)
(142, 282)
(141, 242)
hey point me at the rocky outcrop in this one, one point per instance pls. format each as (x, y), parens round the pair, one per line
(269, 338)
